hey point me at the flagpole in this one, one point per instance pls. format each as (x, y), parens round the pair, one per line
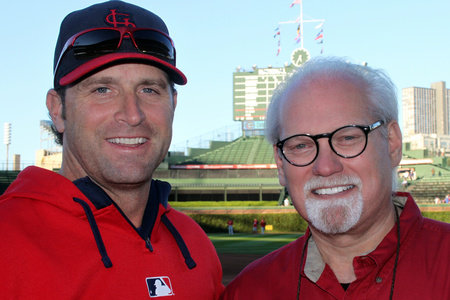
(301, 23)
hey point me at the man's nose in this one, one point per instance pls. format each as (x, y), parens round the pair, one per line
(327, 162)
(130, 111)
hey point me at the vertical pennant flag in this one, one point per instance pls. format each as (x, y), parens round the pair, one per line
(279, 47)
(319, 35)
(295, 2)
(297, 38)
(277, 32)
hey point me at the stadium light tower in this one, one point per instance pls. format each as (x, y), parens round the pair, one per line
(7, 140)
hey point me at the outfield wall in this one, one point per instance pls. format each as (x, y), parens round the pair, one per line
(221, 185)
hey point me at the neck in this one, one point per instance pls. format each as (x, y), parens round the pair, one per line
(339, 250)
(132, 202)
(131, 198)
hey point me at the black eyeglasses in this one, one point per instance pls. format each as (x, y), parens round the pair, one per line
(99, 41)
(349, 141)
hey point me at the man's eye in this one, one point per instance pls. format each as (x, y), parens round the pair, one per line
(300, 146)
(148, 90)
(102, 90)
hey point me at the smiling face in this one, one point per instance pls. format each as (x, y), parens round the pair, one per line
(118, 124)
(336, 194)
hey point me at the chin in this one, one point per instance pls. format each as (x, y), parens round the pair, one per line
(334, 216)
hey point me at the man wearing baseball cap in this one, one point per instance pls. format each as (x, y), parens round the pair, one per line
(102, 228)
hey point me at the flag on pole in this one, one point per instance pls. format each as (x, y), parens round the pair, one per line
(319, 26)
(277, 32)
(319, 35)
(297, 38)
(295, 2)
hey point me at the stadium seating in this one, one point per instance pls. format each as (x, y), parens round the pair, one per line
(426, 190)
(244, 150)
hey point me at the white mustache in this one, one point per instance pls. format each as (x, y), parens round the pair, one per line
(329, 182)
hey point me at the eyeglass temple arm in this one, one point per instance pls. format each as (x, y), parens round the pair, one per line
(376, 125)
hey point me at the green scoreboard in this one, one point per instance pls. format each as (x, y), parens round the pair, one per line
(252, 90)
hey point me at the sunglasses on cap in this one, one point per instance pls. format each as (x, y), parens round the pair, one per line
(99, 41)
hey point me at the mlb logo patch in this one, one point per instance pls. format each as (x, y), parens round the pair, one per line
(159, 286)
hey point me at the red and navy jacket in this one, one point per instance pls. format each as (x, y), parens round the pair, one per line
(69, 240)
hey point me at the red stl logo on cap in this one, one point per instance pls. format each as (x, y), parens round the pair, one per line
(125, 32)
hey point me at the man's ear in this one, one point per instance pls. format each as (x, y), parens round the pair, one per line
(55, 109)
(279, 162)
(175, 96)
(395, 143)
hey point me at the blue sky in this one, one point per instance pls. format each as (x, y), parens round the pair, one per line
(409, 39)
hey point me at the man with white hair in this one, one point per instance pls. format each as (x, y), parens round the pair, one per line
(337, 143)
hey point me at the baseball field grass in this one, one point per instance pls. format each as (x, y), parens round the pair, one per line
(244, 243)
(238, 250)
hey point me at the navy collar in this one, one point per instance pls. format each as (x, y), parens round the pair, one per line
(100, 199)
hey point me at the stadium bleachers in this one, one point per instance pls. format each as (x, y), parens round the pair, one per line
(222, 184)
(426, 190)
(244, 150)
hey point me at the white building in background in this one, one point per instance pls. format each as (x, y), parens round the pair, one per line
(426, 117)
(50, 155)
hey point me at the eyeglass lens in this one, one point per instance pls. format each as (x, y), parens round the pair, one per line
(96, 42)
(347, 142)
(103, 41)
(153, 42)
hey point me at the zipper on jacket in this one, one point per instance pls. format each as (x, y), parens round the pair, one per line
(148, 244)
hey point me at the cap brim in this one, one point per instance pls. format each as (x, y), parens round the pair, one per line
(90, 66)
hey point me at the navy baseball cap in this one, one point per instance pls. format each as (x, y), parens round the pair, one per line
(111, 33)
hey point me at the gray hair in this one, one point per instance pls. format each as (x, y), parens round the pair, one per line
(380, 90)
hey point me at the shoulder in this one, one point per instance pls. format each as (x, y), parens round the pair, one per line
(436, 226)
(434, 232)
(427, 242)
(37, 183)
(412, 221)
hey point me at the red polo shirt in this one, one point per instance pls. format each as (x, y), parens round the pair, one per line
(423, 270)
